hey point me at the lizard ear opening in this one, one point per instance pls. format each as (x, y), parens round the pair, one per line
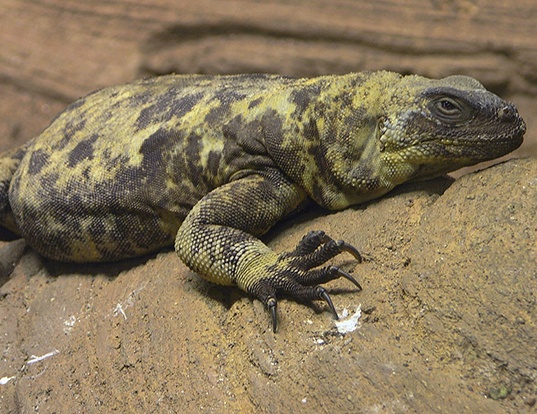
(379, 132)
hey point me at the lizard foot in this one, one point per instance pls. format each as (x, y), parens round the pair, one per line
(294, 274)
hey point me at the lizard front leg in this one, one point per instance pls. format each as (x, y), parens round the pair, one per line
(218, 240)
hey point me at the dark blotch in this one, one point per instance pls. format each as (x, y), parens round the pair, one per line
(179, 107)
(140, 99)
(38, 160)
(254, 103)
(82, 151)
(248, 135)
(345, 99)
(77, 124)
(155, 149)
(288, 159)
(213, 162)
(311, 131)
(167, 106)
(48, 181)
(216, 115)
(226, 98)
(192, 158)
(303, 97)
(272, 125)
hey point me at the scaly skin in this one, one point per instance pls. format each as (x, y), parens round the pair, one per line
(213, 162)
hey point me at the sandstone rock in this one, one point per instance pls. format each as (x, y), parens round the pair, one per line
(448, 318)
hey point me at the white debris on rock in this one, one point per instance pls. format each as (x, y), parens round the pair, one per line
(346, 323)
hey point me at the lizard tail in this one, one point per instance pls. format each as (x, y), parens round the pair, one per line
(9, 162)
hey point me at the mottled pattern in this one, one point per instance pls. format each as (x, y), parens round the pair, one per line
(213, 162)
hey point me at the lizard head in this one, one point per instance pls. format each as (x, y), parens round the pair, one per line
(438, 126)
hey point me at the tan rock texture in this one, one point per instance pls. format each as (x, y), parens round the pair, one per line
(449, 308)
(448, 318)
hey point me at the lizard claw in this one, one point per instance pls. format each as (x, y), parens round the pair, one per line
(324, 295)
(271, 305)
(346, 247)
(347, 276)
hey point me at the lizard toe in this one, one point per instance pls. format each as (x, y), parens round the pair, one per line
(316, 248)
(268, 288)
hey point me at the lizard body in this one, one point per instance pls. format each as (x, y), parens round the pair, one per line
(211, 163)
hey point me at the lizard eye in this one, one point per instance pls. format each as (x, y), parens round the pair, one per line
(448, 109)
(447, 106)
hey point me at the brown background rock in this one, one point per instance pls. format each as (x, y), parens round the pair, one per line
(54, 51)
(449, 320)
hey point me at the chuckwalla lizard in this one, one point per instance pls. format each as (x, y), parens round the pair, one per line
(213, 162)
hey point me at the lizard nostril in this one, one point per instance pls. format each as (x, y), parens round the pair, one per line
(506, 113)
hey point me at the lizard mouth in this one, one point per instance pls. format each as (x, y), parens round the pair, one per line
(478, 147)
(471, 150)
(496, 145)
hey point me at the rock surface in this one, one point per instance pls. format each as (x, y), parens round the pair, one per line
(54, 51)
(448, 311)
(448, 318)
